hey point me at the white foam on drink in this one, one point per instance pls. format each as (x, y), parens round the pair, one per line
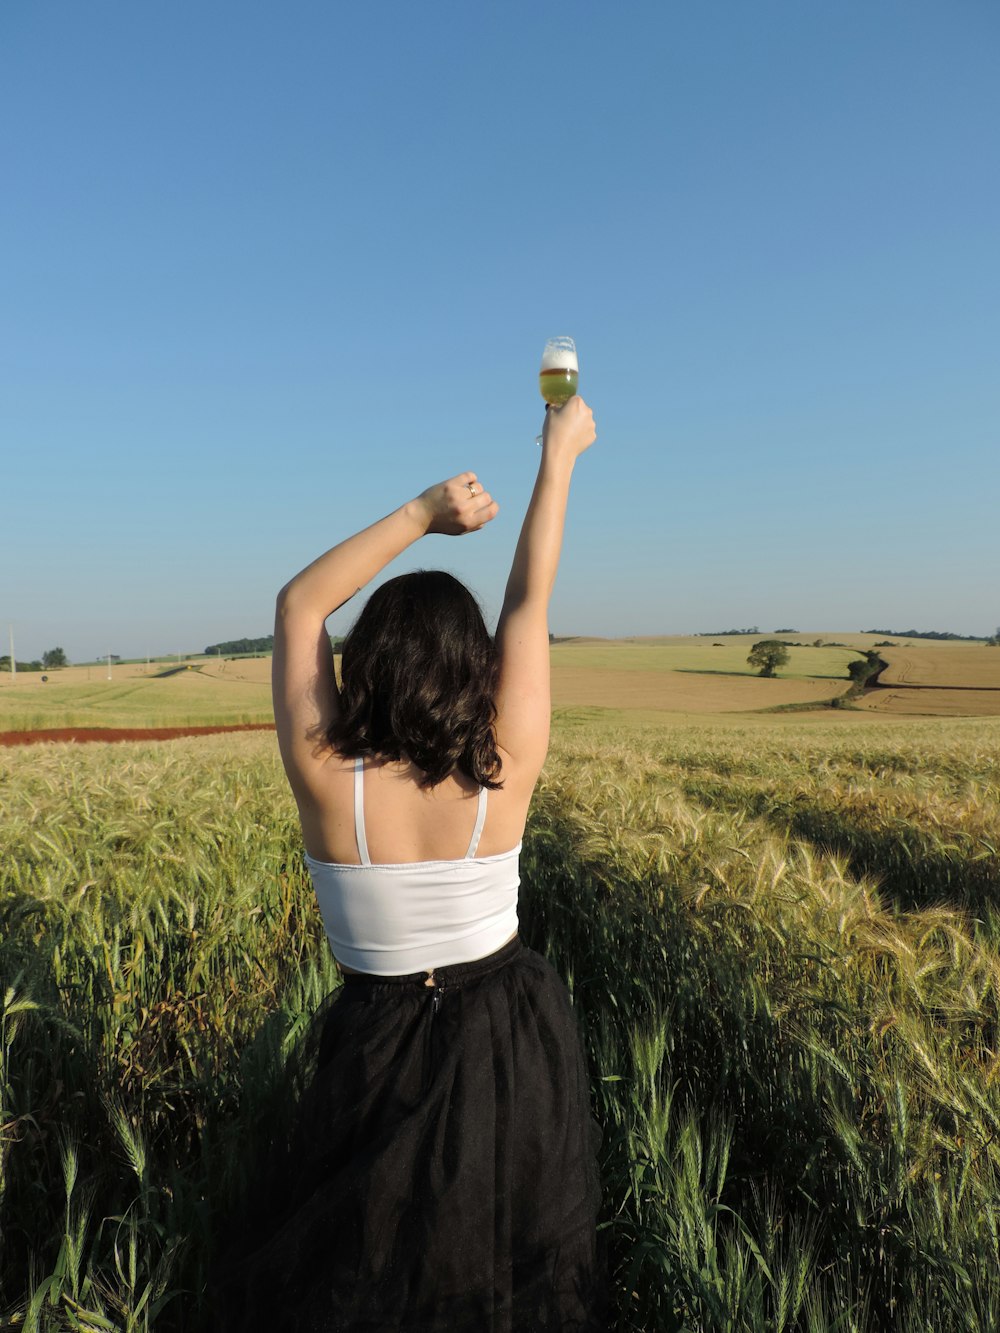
(559, 358)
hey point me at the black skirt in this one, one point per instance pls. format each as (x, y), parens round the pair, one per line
(442, 1175)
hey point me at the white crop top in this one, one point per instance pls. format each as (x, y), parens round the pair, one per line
(416, 915)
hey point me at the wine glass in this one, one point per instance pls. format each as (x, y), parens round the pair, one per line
(559, 373)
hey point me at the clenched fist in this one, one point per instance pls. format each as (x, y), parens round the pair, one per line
(456, 506)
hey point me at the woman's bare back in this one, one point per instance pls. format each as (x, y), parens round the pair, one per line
(405, 822)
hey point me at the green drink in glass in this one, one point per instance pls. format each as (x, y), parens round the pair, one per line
(560, 373)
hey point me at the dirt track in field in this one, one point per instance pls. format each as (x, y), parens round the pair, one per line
(84, 734)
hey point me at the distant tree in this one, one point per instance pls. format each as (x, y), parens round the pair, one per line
(865, 670)
(54, 657)
(768, 654)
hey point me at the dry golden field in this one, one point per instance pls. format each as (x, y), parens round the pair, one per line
(938, 680)
(698, 675)
(647, 679)
(617, 682)
(676, 691)
(934, 702)
(948, 665)
(253, 669)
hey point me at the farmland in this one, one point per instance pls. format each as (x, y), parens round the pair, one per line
(953, 680)
(618, 682)
(780, 930)
(203, 692)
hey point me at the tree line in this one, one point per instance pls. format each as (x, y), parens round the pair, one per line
(927, 634)
(50, 659)
(232, 647)
(265, 644)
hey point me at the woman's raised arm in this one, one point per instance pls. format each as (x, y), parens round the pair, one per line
(303, 684)
(523, 696)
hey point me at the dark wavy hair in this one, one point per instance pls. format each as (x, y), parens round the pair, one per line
(419, 678)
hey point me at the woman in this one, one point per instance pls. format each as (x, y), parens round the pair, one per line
(443, 1173)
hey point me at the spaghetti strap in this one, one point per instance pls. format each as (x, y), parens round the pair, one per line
(359, 816)
(480, 821)
(359, 810)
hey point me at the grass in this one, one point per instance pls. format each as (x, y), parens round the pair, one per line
(132, 699)
(780, 941)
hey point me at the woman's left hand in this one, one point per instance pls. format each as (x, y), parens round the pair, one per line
(454, 507)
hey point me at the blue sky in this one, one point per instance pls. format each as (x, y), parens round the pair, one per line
(268, 270)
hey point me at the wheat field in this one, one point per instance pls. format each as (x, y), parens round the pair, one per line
(781, 940)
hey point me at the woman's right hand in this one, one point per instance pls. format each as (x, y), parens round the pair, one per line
(456, 506)
(569, 429)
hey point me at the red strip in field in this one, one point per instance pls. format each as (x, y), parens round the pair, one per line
(81, 734)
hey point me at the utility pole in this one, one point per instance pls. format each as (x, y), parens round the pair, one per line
(109, 666)
(13, 663)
